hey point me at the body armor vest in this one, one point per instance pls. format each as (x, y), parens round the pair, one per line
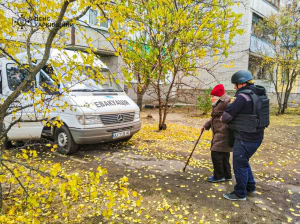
(260, 117)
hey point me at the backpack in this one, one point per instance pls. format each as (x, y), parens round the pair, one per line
(260, 118)
(261, 105)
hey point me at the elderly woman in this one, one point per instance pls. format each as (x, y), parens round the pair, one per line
(220, 151)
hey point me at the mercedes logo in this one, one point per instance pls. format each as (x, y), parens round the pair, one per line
(120, 117)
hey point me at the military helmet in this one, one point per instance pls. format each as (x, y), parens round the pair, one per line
(241, 76)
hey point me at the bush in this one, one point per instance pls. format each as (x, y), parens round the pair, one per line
(36, 191)
(203, 101)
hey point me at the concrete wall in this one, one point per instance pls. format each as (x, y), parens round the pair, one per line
(237, 60)
(263, 7)
(221, 73)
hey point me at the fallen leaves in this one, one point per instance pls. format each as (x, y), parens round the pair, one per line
(153, 162)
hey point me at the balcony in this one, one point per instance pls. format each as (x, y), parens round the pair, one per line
(261, 47)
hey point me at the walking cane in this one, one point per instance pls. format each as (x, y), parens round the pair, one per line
(193, 150)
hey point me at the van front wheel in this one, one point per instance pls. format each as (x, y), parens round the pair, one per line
(64, 140)
(8, 144)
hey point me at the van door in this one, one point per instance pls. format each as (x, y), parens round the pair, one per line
(51, 90)
(28, 127)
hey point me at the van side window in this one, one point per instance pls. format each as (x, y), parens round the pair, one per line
(47, 84)
(15, 76)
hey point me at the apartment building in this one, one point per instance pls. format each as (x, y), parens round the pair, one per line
(90, 27)
(249, 47)
(244, 55)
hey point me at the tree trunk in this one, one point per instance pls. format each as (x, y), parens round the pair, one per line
(140, 96)
(279, 109)
(160, 124)
(2, 147)
(282, 111)
(1, 202)
(284, 105)
(288, 93)
(140, 92)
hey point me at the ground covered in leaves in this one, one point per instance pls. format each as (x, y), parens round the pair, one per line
(153, 162)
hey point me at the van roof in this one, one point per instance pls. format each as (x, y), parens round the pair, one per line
(59, 55)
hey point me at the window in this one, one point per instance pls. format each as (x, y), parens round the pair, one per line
(93, 17)
(15, 76)
(104, 22)
(275, 2)
(255, 20)
(93, 20)
(258, 69)
(46, 83)
(261, 33)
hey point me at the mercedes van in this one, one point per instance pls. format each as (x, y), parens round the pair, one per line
(90, 112)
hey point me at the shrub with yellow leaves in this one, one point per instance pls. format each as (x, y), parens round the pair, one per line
(43, 192)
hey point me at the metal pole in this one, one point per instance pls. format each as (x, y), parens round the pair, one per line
(193, 150)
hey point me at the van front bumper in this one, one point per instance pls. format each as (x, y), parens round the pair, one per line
(104, 134)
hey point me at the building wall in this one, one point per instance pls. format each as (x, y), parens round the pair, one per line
(262, 7)
(238, 60)
(298, 90)
(221, 73)
(296, 86)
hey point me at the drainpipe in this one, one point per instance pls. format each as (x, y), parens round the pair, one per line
(73, 35)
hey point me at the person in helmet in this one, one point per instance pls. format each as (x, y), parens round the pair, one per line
(220, 151)
(246, 138)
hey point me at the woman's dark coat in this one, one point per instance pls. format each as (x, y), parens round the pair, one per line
(219, 141)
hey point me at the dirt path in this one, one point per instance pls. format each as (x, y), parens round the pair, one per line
(153, 162)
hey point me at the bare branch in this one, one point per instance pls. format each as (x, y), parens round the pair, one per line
(12, 173)
(32, 168)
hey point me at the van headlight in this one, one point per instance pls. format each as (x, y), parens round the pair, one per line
(89, 119)
(137, 115)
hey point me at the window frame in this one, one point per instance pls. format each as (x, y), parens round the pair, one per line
(94, 22)
(93, 17)
(8, 79)
(275, 3)
(262, 72)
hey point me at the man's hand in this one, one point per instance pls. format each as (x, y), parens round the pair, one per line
(202, 128)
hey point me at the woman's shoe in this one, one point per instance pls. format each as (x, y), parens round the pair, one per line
(233, 197)
(213, 180)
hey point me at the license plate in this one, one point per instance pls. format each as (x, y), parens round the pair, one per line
(120, 134)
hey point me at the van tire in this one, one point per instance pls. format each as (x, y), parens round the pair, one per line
(8, 144)
(64, 141)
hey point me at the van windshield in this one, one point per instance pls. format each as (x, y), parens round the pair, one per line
(91, 80)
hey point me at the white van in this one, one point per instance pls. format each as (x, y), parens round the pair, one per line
(95, 113)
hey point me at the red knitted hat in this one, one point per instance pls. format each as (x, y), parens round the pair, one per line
(218, 90)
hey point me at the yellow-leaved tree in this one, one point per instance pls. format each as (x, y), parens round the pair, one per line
(33, 190)
(164, 42)
(282, 54)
